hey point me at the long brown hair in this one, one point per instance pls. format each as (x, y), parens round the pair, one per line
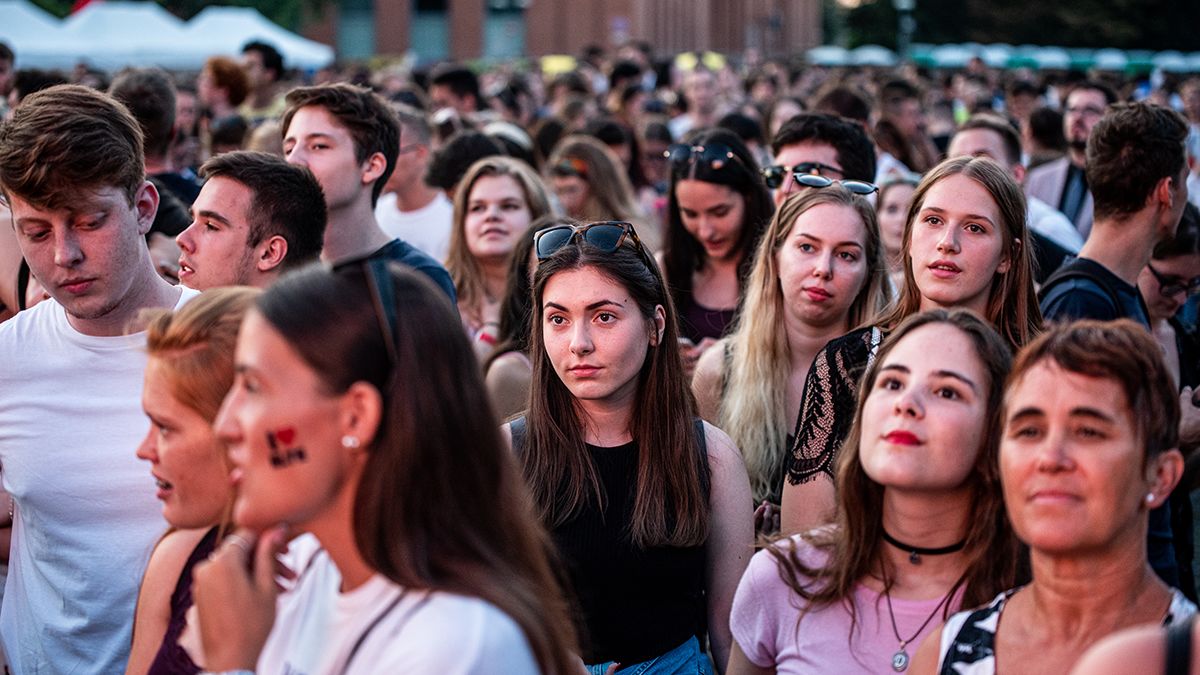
(1012, 302)
(853, 544)
(671, 503)
(440, 503)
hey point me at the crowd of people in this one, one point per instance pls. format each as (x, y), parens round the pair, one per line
(698, 365)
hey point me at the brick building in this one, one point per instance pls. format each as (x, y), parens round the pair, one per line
(496, 29)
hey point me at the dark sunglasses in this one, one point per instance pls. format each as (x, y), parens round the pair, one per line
(858, 187)
(774, 175)
(607, 236)
(1170, 286)
(714, 156)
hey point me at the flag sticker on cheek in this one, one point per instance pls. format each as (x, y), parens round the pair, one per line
(284, 452)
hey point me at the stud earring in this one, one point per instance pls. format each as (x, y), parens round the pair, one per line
(1150, 498)
(350, 442)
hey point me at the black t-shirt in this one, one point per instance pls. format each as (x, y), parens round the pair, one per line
(1085, 289)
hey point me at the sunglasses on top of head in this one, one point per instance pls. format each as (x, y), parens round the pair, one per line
(606, 236)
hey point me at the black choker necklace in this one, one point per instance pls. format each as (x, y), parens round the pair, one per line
(915, 552)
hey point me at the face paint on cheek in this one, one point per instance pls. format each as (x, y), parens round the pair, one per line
(283, 452)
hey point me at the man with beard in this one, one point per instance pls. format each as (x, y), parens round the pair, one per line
(1063, 183)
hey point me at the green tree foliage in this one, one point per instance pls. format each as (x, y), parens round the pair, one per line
(1124, 24)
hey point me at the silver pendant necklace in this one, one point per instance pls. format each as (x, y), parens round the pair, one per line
(901, 658)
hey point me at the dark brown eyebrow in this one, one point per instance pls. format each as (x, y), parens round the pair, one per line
(969, 216)
(594, 306)
(205, 213)
(1081, 411)
(940, 373)
(957, 376)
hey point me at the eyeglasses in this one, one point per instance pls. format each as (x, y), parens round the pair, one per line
(1169, 286)
(858, 187)
(715, 156)
(607, 236)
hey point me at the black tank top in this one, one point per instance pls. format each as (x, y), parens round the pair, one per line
(635, 603)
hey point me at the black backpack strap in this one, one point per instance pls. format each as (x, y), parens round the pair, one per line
(1065, 274)
(702, 447)
(1179, 647)
(517, 426)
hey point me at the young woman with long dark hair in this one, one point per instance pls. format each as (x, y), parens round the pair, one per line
(358, 416)
(649, 506)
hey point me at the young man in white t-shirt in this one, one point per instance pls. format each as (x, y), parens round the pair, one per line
(72, 171)
(410, 209)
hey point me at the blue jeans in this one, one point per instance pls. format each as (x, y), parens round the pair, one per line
(686, 659)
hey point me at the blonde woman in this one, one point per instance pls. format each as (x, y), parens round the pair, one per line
(494, 205)
(819, 272)
(592, 185)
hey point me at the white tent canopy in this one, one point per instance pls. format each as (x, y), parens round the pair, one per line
(117, 33)
(226, 29)
(30, 31)
(114, 34)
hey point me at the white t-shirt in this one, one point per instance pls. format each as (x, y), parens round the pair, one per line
(427, 228)
(396, 630)
(86, 517)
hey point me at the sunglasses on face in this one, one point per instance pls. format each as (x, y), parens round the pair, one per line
(714, 156)
(775, 175)
(1170, 286)
(858, 187)
(605, 236)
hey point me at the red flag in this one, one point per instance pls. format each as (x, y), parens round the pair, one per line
(80, 4)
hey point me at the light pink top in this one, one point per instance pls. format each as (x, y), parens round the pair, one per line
(765, 614)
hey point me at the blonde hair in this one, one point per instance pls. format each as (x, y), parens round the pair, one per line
(463, 267)
(753, 408)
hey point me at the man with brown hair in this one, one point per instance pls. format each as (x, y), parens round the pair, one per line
(255, 218)
(349, 138)
(1137, 172)
(72, 172)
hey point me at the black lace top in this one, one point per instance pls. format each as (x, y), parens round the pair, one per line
(828, 404)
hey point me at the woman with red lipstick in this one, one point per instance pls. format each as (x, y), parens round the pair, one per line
(1091, 430)
(717, 209)
(649, 506)
(189, 370)
(494, 204)
(920, 528)
(964, 247)
(346, 422)
(818, 273)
